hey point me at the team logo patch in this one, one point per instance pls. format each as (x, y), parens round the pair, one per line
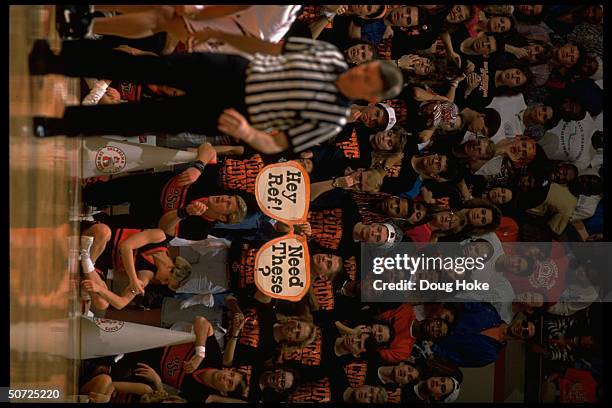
(110, 159)
(545, 276)
(108, 325)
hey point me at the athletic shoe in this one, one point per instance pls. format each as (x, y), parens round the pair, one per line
(42, 126)
(40, 57)
(73, 22)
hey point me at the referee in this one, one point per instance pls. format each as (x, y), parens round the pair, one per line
(291, 96)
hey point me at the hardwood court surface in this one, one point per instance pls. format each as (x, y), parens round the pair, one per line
(44, 192)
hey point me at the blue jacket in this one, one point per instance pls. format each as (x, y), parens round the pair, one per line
(465, 346)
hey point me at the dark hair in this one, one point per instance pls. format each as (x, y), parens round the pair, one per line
(391, 332)
(558, 164)
(296, 378)
(584, 54)
(453, 168)
(587, 184)
(437, 366)
(534, 229)
(585, 18)
(372, 47)
(500, 42)
(430, 211)
(496, 216)
(489, 153)
(581, 50)
(597, 140)
(578, 116)
(492, 120)
(451, 27)
(370, 344)
(581, 65)
(393, 81)
(509, 206)
(315, 249)
(241, 387)
(510, 18)
(508, 91)
(529, 20)
(386, 117)
(556, 116)
(443, 70)
(377, 12)
(545, 55)
(455, 307)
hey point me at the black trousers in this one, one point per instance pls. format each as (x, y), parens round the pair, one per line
(142, 192)
(212, 83)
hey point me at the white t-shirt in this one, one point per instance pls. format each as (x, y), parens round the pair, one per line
(586, 207)
(484, 274)
(208, 260)
(492, 167)
(500, 295)
(571, 141)
(510, 110)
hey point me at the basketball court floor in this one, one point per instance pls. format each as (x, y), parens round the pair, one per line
(44, 181)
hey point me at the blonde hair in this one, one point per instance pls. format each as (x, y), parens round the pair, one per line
(160, 396)
(313, 303)
(386, 160)
(241, 210)
(377, 177)
(380, 397)
(285, 347)
(181, 271)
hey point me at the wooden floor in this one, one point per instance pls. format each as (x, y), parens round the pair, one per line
(44, 193)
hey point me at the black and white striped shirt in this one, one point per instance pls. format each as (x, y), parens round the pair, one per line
(295, 92)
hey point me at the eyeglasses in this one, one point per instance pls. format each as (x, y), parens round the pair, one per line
(451, 215)
(525, 329)
(280, 379)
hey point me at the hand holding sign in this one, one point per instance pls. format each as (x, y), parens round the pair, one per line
(303, 229)
(282, 268)
(283, 192)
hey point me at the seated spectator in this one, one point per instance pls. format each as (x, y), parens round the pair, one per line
(519, 119)
(438, 389)
(410, 211)
(478, 337)
(489, 80)
(396, 330)
(416, 168)
(558, 207)
(360, 52)
(426, 69)
(564, 57)
(366, 394)
(529, 13)
(138, 256)
(573, 386)
(374, 116)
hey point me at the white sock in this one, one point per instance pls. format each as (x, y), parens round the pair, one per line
(96, 93)
(86, 262)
